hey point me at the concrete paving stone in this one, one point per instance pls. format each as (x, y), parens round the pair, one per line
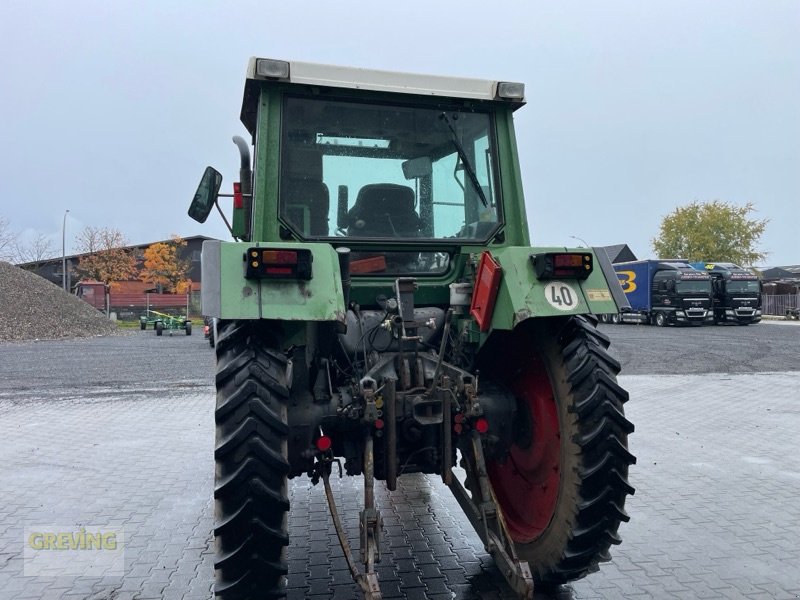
(435, 585)
(400, 552)
(454, 576)
(424, 558)
(203, 589)
(298, 565)
(419, 545)
(191, 595)
(298, 580)
(449, 563)
(151, 590)
(173, 594)
(344, 592)
(318, 586)
(318, 571)
(416, 593)
(179, 581)
(131, 584)
(773, 590)
(296, 594)
(158, 576)
(416, 534)
(392, 589)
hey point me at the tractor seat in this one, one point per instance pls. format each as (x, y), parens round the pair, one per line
(384, 210)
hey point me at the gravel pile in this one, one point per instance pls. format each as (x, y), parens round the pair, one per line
(33, 308)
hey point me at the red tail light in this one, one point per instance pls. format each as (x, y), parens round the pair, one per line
(237, 195)
(324, 443)
(562, 265)
(278, 263)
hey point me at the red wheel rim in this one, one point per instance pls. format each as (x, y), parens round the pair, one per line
(526, 482)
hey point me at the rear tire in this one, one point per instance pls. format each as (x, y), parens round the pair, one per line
(251, 492)
(188, 328)
(159, 327)
(562, 487)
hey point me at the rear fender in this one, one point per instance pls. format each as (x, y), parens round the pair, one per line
(522, 296)
(227, 294)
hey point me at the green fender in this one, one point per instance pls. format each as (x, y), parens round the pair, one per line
(522, 296)
(227, 294)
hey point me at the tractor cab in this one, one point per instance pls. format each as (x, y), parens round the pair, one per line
(404, 173)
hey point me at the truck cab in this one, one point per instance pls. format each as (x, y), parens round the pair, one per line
(664, 292)
(736, 292)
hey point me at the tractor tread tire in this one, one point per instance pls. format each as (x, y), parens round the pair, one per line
(251, 492)
(602, 438)
(593, 436)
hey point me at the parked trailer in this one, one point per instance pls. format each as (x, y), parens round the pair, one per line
(161, 321)
(98, 295)
(663, 292)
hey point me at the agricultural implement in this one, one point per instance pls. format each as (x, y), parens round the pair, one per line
(381, 308)
(162, 321)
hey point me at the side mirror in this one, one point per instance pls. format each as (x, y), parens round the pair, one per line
(670, 285)
(206, 195)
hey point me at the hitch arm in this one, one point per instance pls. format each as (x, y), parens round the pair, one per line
(484, 513)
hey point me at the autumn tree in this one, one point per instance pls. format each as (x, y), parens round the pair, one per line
(106, 257)
(718, 231)
(163, 267)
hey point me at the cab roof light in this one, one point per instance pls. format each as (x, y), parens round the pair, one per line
(510, 90)
(563, 265)
(272, 69)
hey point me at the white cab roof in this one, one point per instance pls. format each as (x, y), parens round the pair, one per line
(386, 81)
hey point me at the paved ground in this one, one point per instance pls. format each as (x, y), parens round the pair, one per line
(715, 514)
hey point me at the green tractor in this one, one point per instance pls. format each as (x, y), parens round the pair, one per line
(381, 309)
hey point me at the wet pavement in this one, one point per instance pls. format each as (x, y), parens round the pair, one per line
(715, 514)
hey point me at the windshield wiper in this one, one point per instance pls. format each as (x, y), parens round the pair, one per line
(465, 161)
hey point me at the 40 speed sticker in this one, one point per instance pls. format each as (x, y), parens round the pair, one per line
(562, 296)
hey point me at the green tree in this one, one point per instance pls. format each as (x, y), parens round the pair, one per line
(717, 230)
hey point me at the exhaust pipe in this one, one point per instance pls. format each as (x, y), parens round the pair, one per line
(246, 181)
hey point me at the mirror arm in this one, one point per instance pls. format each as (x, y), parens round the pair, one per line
(224, 218)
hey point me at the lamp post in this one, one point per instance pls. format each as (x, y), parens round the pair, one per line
(63, 252)
(575, 237)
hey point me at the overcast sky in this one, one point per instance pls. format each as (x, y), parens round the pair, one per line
(113, 109)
